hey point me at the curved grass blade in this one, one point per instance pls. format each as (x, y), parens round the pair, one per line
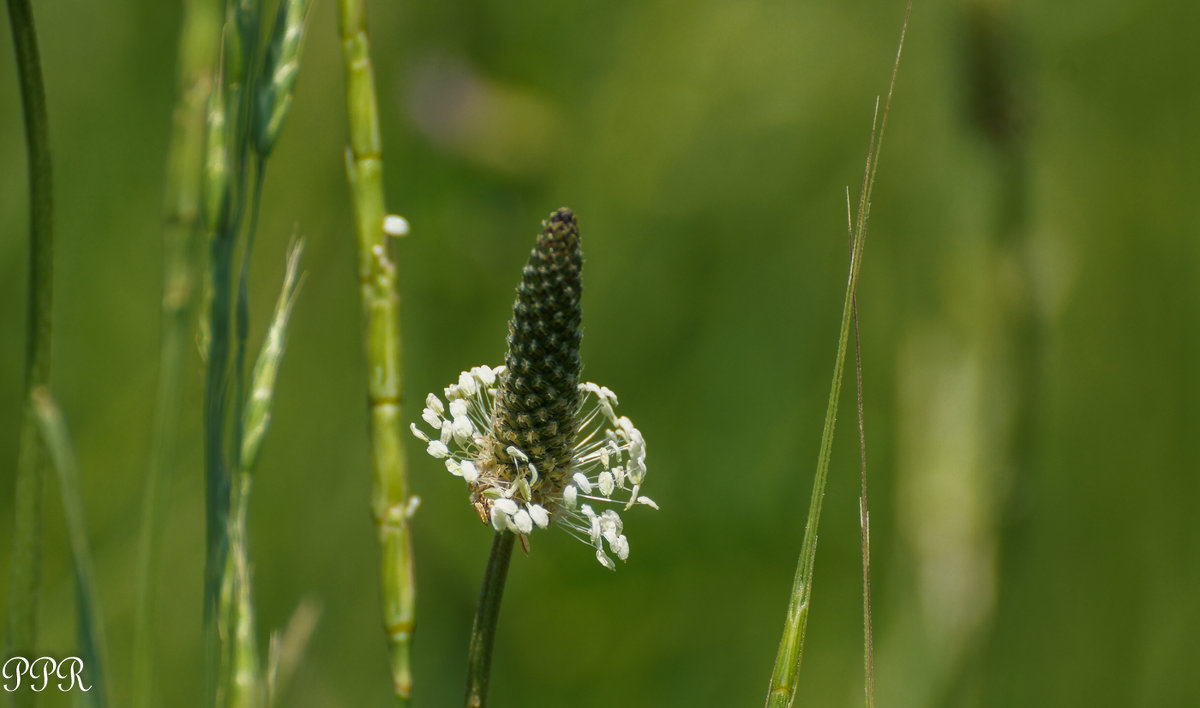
(91, 622)
(27, 497)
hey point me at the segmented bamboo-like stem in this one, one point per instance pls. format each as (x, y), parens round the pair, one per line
(27, 499)
(181, 231)
(381, 339)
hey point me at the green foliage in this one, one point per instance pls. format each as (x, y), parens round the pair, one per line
(706, 146)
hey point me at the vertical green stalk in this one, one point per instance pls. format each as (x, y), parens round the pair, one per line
(181, 232)
(487, 613)
(27, 500)
(223, 202)
(381, 339)
(785, 675)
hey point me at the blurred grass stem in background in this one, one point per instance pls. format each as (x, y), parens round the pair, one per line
(182, 266)
(27, 515)
(786, 674)
(391, 507)
(90, 620)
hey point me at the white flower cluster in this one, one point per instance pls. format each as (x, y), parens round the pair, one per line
(608, 461)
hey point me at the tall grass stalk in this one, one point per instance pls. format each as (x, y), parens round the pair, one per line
(246, 111)
(181, 271)
(90, 619)
(27, 499)
(390, 503)
(785, 675)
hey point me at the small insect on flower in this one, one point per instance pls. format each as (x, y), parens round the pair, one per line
(535, 446)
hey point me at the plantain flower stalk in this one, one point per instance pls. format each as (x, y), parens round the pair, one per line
(534, 445)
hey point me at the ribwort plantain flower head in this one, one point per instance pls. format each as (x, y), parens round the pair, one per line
(535, 445)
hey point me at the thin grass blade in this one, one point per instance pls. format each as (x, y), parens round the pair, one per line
(785, 675)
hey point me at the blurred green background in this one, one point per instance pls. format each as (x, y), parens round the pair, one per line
(1029, 304)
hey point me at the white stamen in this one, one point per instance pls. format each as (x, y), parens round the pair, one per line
(467, 384)
(395, 225)
(522, 521)
(464, 429)
(608, 454)
(506, 506)
(606, 483)
(621, 547)
(539, 515)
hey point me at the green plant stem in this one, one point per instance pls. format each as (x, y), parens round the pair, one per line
(216, 384)
(864, 514)
(181, 237)
(91, 622)
(786, 673)
(864, 521)
(237, 82)
(382, 342)
(487, 613)
(27, 500)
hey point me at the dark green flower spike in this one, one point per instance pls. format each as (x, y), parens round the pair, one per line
(539, 393)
